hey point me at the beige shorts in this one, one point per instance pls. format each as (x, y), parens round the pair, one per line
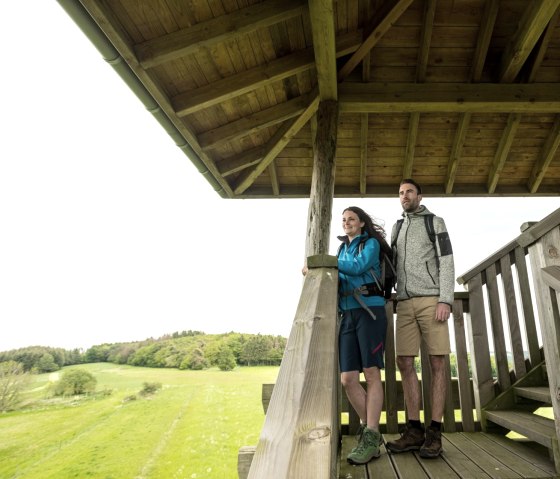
(416, 319)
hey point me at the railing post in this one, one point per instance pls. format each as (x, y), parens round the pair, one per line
(300, 436)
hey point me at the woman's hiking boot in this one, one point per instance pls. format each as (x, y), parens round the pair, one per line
(432, 445)
(367, 448)
(411, 439)
(359, 436)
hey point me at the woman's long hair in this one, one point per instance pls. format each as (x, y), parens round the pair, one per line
(372, 228)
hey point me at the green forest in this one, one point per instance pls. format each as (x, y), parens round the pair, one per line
(193, 350)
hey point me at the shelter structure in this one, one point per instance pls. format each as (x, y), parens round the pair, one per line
(343, 98)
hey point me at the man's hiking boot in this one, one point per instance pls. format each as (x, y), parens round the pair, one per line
(367, 448)
(411, 440)
(432, 445)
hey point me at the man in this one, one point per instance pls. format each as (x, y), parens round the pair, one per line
(425, 290)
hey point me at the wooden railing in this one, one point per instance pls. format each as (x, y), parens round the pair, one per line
(503, 327)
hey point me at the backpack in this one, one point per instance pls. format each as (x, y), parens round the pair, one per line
(383, 285)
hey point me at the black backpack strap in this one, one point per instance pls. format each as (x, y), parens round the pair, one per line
(399, 226)
(429, 222)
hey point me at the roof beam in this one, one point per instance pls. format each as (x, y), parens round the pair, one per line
(276, 144)
(534, 20)
(253, 123)
(425, 40)
(382, 21)
(503, 151)
(542, 46)
(322, 25)
(546, 156)
(449, 97)
(411, 144)
(224, 28)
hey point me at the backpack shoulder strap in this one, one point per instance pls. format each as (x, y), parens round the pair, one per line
(429, 222)
(398, 230)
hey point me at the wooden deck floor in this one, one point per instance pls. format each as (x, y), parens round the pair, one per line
(465, 455)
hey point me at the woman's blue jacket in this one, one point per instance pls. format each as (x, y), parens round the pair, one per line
(355, 269)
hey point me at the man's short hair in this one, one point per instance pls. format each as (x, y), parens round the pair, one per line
(412, 182)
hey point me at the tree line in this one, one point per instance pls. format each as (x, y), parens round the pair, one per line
(193, 350)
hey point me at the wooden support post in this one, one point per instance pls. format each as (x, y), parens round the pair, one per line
(300, 435)
(322, 182)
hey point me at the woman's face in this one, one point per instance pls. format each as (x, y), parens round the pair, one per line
(351, 224)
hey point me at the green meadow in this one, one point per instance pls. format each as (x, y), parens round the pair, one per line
(190, 428)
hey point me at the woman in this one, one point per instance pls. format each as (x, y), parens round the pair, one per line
(363, 325)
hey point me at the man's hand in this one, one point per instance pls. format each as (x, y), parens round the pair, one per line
(443, 311)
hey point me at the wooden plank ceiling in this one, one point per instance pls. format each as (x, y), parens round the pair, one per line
(463, 95)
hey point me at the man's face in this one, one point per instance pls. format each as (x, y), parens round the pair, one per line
(410, 199)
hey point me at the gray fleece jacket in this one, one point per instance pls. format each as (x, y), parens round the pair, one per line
(416, 262)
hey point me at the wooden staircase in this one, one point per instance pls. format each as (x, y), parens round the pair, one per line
(516, 409)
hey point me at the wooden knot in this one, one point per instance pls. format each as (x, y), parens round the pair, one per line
(553, 252)
(318, 433)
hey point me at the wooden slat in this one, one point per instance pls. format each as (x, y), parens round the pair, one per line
(513, 317)
(459, 461)
(480, 351)
(465, 387)
(503, 151)
(391, 407)
(498, 335)
(527, 303)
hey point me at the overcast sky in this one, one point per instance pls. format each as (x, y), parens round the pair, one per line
(109, 233)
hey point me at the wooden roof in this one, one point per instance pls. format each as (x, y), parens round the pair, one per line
(462, 95)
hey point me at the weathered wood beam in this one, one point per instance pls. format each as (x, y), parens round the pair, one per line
(322, 26)
(484, 36)
(363, 152)
(449, 97)
(411, 144)
(534, 20)
(503, 151)
(458, 142)
(322, 180)
(546, 155)
(382, 21)
(278, 141)
(253, 123)
(222, 29)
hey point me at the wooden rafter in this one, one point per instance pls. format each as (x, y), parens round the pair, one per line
(484, 37)
(411, 144)
(224, 28)
(425, 40)
(534, 20)
(542, 46)
(503, 151)
(241, 161)
(253, 123)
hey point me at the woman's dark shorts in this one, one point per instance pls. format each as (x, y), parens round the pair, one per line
(361, 340)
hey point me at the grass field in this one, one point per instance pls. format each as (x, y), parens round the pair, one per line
(191, 428)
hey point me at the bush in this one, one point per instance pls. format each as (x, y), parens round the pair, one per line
(150, 388)
(13, 379)
(75, 381)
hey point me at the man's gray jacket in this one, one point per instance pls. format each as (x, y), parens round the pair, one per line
(417, 268)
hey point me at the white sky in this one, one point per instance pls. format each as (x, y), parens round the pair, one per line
(107, 231)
